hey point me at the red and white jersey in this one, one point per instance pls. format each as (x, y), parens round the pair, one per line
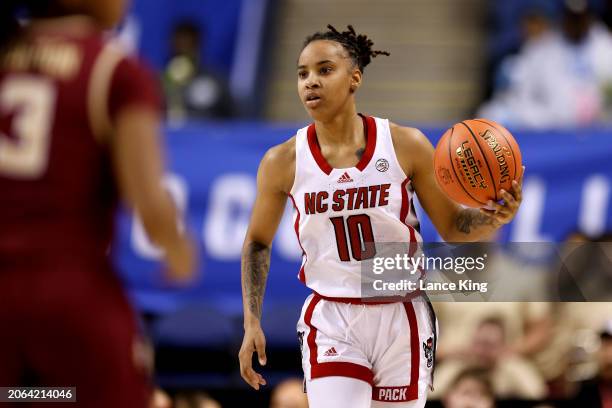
(340, 213)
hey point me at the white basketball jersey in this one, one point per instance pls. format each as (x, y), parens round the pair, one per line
(339, 211)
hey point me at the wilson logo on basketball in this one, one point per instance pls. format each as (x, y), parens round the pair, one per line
(345, 178)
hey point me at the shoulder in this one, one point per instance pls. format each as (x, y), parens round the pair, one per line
(281, 154)
(278, 164)
(404, 136)
(411, 146)
(130, 80)
(129, 69)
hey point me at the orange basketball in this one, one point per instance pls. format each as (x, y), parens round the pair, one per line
(474, 160)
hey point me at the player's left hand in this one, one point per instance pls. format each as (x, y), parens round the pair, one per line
(505, 211)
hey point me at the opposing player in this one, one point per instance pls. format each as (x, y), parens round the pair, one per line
(352, 179)
(78, 127)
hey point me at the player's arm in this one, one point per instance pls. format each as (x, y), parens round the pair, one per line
(453, 222)
(274, 180)
(133, 110)
(137, 154)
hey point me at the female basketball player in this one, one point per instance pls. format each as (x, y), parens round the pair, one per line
(78, 121)
(349, 172)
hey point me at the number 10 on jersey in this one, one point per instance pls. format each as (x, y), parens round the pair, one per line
(360, 237)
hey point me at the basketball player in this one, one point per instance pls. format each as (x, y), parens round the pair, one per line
(350, 172)
(78, 125)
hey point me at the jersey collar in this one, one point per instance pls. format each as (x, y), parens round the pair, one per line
(369, 125)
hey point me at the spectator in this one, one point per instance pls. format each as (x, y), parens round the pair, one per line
(558, 78)
(160, 399)
(597, 392)
(527, 325)
(195, 400)
(470, 389)
(511, 375)
(289, 394)
(536, 17)
(192, 89)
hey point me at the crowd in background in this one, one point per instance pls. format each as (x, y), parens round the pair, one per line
(558, 353)
(555, 72)
(560, 75)
(192, 89)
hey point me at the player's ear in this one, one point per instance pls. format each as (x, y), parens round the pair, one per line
(355, 79)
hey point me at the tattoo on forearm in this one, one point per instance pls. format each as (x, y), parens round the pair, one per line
(469, 218)
(255, 266)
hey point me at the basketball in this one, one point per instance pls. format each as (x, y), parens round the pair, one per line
(474, 160)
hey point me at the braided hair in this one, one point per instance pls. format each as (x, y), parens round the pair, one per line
(358, 46)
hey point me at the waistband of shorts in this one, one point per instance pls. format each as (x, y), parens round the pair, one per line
(373, 301)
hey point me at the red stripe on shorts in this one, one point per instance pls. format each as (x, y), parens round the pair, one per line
(330, 369)
(342, 369)
(312, 334)
(415, 352)
(408, 392)
(373, 301)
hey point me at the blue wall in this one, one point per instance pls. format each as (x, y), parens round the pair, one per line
(218, 19)
(213, 168)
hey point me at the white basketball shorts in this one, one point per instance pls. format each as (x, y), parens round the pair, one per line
(391, 346)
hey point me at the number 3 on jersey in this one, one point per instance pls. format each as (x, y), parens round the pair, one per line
(26, 110)
(360, 236)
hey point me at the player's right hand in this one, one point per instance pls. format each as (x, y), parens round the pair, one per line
(181, 258)
(254, 340)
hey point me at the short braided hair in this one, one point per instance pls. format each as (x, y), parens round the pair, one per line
(358, 46)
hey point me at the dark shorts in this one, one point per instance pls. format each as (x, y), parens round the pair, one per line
(66, 326)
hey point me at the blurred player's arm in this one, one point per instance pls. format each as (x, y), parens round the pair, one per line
(453, 222)
(138, 160)
(132, 114)
(274, 181)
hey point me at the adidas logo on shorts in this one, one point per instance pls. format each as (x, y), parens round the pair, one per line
(345, 178)
(330, 353)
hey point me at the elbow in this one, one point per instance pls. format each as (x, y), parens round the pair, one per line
(452, 235)
(252, 245)
(253, 239)
(450, 232)
(159, 220)
(446, 236)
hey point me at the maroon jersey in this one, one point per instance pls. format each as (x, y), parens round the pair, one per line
(61, 87)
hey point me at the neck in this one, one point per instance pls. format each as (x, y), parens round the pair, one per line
(342, 128)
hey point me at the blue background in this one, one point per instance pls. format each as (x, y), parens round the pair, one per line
(209, 155)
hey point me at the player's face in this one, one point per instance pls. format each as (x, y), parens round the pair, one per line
(327, 79)
(469, 393)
